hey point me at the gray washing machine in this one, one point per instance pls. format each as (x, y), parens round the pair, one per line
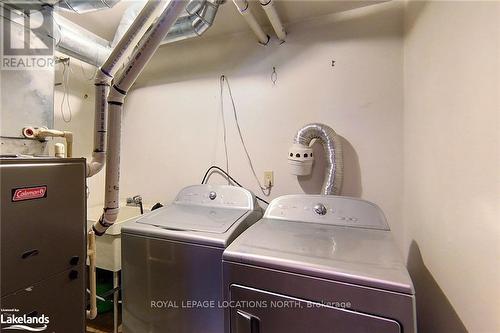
(172, 260)
(318, 264)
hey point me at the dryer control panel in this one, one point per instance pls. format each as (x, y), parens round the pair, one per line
(327, 209)
(217, 196)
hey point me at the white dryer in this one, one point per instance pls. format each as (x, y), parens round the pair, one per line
(318, 264)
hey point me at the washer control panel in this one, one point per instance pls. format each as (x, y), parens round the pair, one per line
(327, 209)
(217, 196)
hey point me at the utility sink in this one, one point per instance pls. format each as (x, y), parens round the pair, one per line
(108, 246)
(127, 213)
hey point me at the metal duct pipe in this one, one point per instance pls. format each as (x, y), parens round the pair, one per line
(272, 15)
(244, 8)
(75, 41)
(195, 5)
(105, 75)
(85, 6)
(122, 84)
(301, 155)
(194, 25)
(199, 18)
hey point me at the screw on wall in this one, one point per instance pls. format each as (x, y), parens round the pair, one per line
(274, 76)
(333, 63)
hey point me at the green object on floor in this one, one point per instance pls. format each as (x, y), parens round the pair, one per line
(104, 306)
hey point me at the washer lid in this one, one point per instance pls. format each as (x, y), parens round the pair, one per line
(223, 196)
(189, 217)
(203, 208)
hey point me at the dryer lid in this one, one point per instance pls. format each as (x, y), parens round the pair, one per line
(187, 217)
(340, 238)
(327, 209)
(354, 255)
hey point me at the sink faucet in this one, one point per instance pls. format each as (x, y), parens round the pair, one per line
(136, 201)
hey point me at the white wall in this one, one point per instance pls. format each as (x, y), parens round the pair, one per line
(172, 128)
(81, 101)
(451, 163)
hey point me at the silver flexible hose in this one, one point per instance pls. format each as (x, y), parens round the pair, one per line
(333, 152)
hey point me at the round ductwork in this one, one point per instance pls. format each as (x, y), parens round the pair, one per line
(85, 6)
(300, 159)
(300, 155)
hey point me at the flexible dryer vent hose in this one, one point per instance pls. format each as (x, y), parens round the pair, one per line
(333, 153)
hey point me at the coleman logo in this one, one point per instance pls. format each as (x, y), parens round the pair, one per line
(28, 193)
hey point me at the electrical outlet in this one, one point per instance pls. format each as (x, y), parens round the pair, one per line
(268, 178)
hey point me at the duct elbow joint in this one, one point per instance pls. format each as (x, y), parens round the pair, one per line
(108, 218)
(116, 95)
(92, 314)
(96, 164)
(200, 26)
(300, 159)
(102, 78)
(300, 155)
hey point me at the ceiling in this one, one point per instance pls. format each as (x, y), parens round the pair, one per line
(105, 22)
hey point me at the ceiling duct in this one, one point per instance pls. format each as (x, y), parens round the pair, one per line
(75, 41)
(196, 20)
(85, 6)
(195, 24)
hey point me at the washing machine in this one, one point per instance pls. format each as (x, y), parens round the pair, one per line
(318, 264)
(172, 260)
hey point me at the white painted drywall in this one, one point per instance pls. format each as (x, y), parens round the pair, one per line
(451, 163)
(81, 103)
(172, 129)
